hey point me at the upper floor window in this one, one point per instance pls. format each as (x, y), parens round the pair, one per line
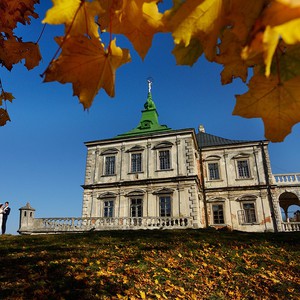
(243, 169)
(136, 162)
(163, 151)
(108, 209)
(109, 161)
(165, 206)
(218, 213)
(213, 171)
(110, 165)
(164, 159)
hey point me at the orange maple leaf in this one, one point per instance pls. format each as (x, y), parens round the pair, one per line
(6, 96)
(88, 66)
(138, 20)
(13, 51)
(278, 104)
(4, 117)
(13, 12)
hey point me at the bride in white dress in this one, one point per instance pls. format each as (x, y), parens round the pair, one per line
(1, 214)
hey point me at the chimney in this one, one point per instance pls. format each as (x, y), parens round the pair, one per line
(201, 128)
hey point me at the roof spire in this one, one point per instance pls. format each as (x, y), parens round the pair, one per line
(149, 120)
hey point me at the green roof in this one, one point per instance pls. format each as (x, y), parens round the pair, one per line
(149, 121)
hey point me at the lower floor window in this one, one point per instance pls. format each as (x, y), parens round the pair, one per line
(165, 206)
(136, 208)
(108, 208)
(218, 213)
(249, 213)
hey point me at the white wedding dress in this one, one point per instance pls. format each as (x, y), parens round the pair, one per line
(1, 216)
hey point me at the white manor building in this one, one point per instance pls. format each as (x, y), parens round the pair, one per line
(155, 177)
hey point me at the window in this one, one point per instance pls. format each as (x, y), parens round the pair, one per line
(164, 159)
(249, 213)
(110, 164)
(136, 208)
(213, 170)
(165, 206)
(218, 214)
(136, 162)
(108, 210)
(243, 169)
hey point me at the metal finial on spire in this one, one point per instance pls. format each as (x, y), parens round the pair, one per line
(150, 81)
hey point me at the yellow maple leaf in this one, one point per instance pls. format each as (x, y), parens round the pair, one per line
(280, 20)
(78, 16)
(196, 19)
(88, 66)
(278, 104)
(63, 11)
(138, 20)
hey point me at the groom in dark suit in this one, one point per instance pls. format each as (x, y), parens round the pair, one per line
(6, 212)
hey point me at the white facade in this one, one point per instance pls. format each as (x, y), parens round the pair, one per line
(144, 176)
(240, 195)
(203, 179)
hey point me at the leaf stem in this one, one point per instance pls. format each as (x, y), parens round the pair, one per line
(64, 38)
(277, 66)
(40, 36)
(110, 30)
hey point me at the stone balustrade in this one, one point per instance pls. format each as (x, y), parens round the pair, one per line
(290, 226)
(284, 179)
(60, 225)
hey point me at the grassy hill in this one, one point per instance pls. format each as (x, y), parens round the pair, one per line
(188, 264)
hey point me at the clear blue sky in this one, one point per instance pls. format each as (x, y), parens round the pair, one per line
(42, 149)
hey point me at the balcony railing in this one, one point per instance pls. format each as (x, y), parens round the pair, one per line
(284, 179)
(59, 225)
(290, 226)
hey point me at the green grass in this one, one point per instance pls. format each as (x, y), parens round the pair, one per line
(188, 264)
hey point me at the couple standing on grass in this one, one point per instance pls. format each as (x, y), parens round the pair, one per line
(4, 212)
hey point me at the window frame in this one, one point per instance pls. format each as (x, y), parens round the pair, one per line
(139, 207)
(217, 169)
(249, 213)
(219, 218)
(138, 165)
(241, 169)
(108, 169)
(164, 162)
(108, 210)
(167, 205)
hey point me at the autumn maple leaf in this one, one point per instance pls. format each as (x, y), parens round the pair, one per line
(4, 117)
(6, 96)
(88, 66)
(230, 57)
(13, 51)
(196, 19)
(278, 104)
(138, 20)
(78, 16)
(13, 12)
(280, 20)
